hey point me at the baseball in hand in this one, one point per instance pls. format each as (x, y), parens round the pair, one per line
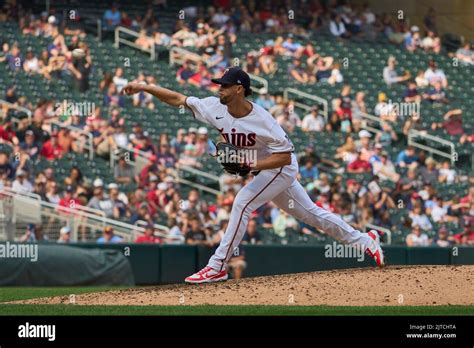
(133, 87)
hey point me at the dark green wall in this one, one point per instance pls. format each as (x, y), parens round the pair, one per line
(154, 264)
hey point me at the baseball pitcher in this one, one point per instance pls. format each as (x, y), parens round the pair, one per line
(245, 125)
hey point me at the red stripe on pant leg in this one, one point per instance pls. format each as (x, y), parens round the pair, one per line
(242, 213)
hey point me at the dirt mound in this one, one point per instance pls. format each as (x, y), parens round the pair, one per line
(395, 285)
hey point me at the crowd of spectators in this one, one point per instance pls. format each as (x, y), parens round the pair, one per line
(158, 196)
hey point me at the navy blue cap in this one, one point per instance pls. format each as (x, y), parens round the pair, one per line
(235, 76)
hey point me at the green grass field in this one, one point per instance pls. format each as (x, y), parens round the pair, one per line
(13, 293)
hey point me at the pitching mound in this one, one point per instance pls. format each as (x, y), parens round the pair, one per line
(395, 285)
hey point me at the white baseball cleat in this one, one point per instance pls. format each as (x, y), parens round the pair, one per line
(375, 250)
(207, 275)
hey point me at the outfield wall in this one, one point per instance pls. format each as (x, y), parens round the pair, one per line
(161, 264)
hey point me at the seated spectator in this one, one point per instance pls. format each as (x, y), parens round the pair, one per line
(443, 239)
(466, 237)
(144, 41)
(290, 46)
(433, 75)
(407, 157)
(412, 39)
(113, 98)
(64, 235)
(267, 64)
(184, 73)
(109, 237)
(112, 17)
(265, 100)
(384, 168)
(359, 165)
(123, 171)
(431, 43)
(13, 58)
(31, 63)
(296, 71)
(184, 37)
(337, 27)
(453, 124)
(386, 136)
(21, 183)
(7, 172)
(358, 109)
(194, 234)
(411, 95)
(119, 202)
(204, 145)
(465, 54)
(252, 64)
(284, 224)
(7, 134)
(429, 173)
(217, 61)
(336, 76)
(51, 194)
(313, 122)
(438, 210)
(51, 149)
(446, 173)
(347, 152)
(252, 236)
(188, 157)
(417, 237)
(119, 80)
(69, 200)
(390, 75)
(436, 94)
(419, 218)
(309, 172)
(149, 236)
(323, 70)
(30, 146)
(420, 79)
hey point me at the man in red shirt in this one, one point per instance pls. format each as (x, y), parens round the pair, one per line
(51, 149)
(359, 165)
(7, 134)
(68, 201)
(148, 237)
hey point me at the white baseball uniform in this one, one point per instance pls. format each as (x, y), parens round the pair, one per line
(259, 131)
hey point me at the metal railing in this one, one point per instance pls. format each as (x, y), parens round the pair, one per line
(385, 230)
(120, 40)
(307, 107)
(19, 108)
(77, 218)
(196, 185)
(367, 118)
(178, 55)
(412, 134)
(262, 81)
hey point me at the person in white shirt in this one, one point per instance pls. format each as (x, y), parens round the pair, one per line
(446, 174)
(21, 183)
(119, 80)
(433, 74)
(337, 27)
(417, 238)
(269, 157)
(313, 122)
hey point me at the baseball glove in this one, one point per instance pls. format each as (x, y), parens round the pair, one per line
(232, 159)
